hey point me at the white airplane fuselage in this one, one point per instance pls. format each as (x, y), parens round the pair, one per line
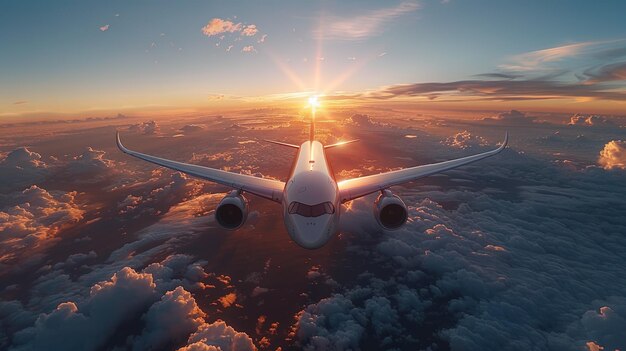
(311, 204)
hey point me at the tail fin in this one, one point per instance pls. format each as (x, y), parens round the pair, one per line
(312, 128)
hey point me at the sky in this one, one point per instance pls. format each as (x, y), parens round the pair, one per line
(76, 56)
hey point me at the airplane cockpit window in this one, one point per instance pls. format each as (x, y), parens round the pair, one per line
(311, 210)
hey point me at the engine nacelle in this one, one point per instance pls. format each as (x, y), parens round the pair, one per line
(390, 211)
(232, 211)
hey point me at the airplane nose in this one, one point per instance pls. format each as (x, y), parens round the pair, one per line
(312, 232)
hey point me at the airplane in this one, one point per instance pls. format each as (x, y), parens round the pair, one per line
(311, 197)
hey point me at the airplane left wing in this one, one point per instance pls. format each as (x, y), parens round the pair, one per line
(351, 189)
(266, 188)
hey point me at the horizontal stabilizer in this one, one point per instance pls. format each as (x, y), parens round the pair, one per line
(340, 143)
(282, 144)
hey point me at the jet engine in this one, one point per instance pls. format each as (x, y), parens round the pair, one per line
(390, 211)
(232, 211)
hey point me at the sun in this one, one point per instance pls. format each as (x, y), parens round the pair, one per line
(313, 101)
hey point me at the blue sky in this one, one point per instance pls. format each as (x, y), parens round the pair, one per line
(61, 56)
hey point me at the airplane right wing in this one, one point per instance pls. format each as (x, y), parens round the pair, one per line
(351, 189)
(267, 188)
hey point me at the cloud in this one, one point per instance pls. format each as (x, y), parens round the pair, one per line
(147, 128)
(605, 325)
(228, 300)
(248, 49)
(535, 59)
(511, 117)
(262, 39)
(607, 73)
(104, 28)
(363, 26)
(34, 217)
(590, 120)
(221, 336)
(21, 167)
(156, 299)
(88, 325)
(249, 31)
(465, 140)
(499, 90)
(90, 162)
(613, 155)
(20, 102)
(171, 319)
(191, 128)
(218, 26)
(361, 120)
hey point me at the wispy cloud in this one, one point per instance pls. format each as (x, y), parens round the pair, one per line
(541, 59)
(366, 25)
(607, 73)
(20, 102)
(498, 90)
(104, 28)
(535, 60)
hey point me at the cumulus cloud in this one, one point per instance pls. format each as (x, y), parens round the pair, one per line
(21, 167)
(90, 162)
(250, 31)
(33, 217)
(605, 325)
(148, 128)
(218, 26)
(158, 296)
(87, 326)
(173, 318)
(613, 155)
(363, 26)
(248, 49)
(220, 336)
(361, 120)
(191, 128)
(465, 140)
(511, 117)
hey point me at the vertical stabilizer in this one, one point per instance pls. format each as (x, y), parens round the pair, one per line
(312, 128)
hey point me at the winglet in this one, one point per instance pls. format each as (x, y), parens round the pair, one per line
(505, 142)
(119, 143)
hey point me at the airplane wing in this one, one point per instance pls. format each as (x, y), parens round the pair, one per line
(351, 189)
(266, 188)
